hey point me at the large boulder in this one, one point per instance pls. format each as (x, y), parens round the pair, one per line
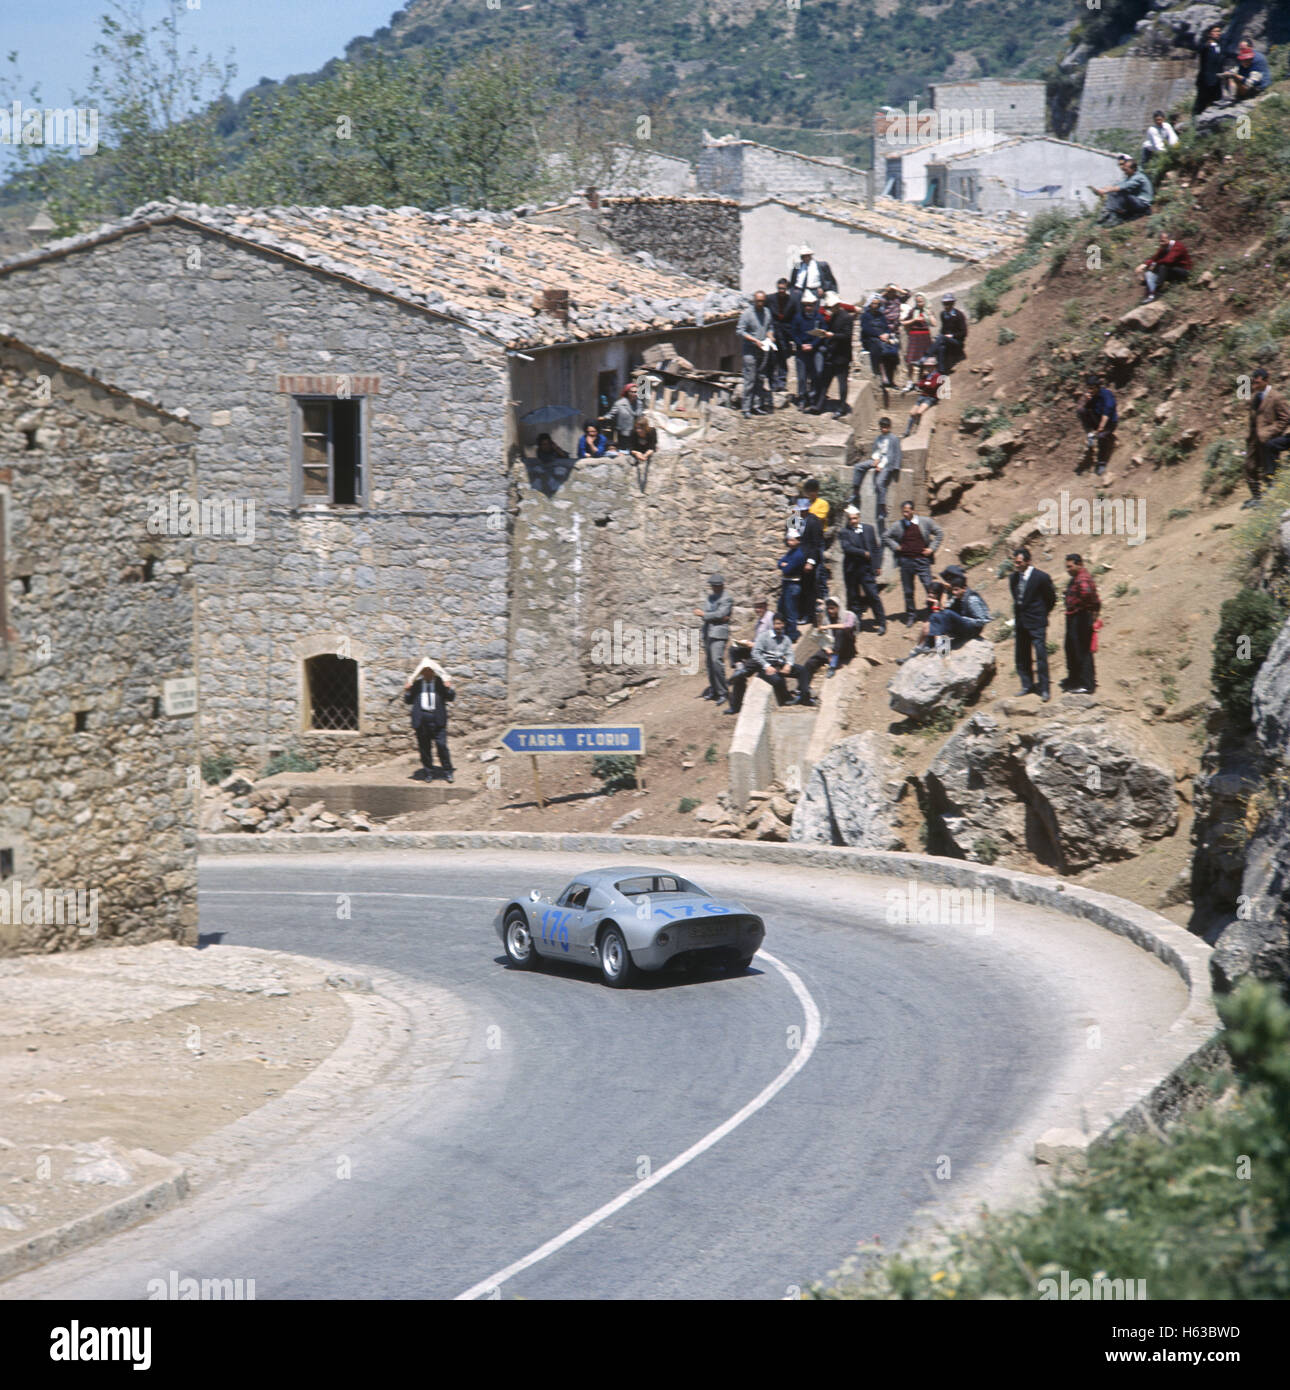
(1146, 317)
(972, 794)
(930, 682)
(1074, 792)
(848, 797)
(1258, 941)
(1100, 790)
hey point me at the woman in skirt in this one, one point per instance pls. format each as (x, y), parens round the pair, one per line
(917, 323)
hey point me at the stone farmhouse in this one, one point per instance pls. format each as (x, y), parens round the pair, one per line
(367, 382)
(98, 747)
(1024, 176)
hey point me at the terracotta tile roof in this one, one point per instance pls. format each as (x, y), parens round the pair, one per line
(967, 236)
(484, 269)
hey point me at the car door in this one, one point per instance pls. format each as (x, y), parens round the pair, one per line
(558, 927)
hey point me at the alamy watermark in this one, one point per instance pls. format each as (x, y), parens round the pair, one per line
(919, 127)
(924, 905)
(50, 907)
(70, 127)
(1065, 515)
(1099, 1287)
(177, 515)
(625, 645)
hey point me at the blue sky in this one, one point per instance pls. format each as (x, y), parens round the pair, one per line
(269, 38)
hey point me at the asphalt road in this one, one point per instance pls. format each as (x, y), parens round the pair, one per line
(939, 1051)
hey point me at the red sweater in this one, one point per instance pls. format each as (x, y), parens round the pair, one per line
(1172, 253)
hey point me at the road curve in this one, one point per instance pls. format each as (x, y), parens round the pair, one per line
(941, 1053)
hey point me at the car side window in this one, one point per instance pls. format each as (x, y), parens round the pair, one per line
(576, 896)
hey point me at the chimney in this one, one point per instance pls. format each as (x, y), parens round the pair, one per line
(556, 303)
(593, 198)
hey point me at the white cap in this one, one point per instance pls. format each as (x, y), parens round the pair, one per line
(810, 298)
(805, 251)
(831, 299)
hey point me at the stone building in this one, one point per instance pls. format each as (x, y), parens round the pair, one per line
(867, 247)
(98, 747)
(1024, 176)
(748, 172)
(367, 382)
(1013, 106)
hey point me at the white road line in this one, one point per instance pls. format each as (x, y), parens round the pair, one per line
(800, 1059)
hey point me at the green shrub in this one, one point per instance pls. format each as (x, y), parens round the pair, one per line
(1005, 335)
(293, 760)
(1224, 467)
(614, 770)
(1248, 626)
(986, 850)
(687, 804)
(216, 767)
(710, 753)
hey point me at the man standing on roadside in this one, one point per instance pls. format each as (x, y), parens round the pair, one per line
(428, 691)
(861, 557)
(757, 340)
(1033, 599)
(1082, 609)
(716, 633)
(914, 541)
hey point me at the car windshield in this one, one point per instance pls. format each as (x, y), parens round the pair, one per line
(656, 883)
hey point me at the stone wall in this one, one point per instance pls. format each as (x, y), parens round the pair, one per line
(697, 235)
(1122, 93)
(209, 325)
(608, 546)
(97, 781)
(1005, 179)
(747, 172)
(1014, 107)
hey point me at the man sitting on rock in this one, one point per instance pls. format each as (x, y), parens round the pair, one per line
(957, 619)
(835, 639)
(1172, 261)
(1131, 197)
(1248, 77)
(741, 662)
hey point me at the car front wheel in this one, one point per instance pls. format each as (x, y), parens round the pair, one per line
(616, 968)
(518, 941)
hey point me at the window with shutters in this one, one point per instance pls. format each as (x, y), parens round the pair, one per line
(327, 445)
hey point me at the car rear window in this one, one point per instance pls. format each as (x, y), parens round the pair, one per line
(655, 883)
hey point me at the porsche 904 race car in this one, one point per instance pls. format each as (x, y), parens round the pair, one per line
(630, 920)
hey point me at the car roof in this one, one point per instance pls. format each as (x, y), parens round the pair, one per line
(611, 876)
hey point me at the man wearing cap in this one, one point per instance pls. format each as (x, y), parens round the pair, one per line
(837, 353)
(951, 345)
(861, 558)
(716, 633)
(914, 541)
(792, 567)
(1269, 432)
(810, 274)
(809, 329)
(757, 339)
(428, 691)
(1248, 77)
(1131, 197)
(960, 619)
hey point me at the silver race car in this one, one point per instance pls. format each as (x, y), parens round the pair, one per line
(629, 920)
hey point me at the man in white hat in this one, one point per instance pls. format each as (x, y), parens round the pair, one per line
(810, 274)
(428, 691)
(809, 333)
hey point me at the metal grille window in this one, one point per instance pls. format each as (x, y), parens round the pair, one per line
(332, 685)
(328, 449)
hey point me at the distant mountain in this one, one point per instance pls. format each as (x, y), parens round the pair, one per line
(784, 73)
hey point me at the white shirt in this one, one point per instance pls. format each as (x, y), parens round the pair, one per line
(1160, 137)
(808, 274)
(1024, 580)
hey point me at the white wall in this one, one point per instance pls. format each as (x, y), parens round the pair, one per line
(1032, 165)
(860, 260)
(914, 162)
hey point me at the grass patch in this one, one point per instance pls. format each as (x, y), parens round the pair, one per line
(292, 760)
(986, 850)
(615, 771)
(1005, 336)
(1248, 625)
(216, 767)
(687, 804)
(710, 753)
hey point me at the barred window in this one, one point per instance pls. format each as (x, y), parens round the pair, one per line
(331, 686)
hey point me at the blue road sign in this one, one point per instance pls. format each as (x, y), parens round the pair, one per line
(575, 738)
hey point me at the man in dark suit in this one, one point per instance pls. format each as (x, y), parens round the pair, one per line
(1033, 598)
(836, 346)
(810, 274)
(783, 304)
(861, 558)
(428, 691)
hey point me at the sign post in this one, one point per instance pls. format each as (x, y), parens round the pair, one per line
(622, 740)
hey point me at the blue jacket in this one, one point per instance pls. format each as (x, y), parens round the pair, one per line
(602, 444)
(804, 322)
(792, 564)
(873, 324)
(1104, 404)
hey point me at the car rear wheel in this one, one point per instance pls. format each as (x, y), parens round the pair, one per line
(616, 968)
(741, 965)
(518, 941)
